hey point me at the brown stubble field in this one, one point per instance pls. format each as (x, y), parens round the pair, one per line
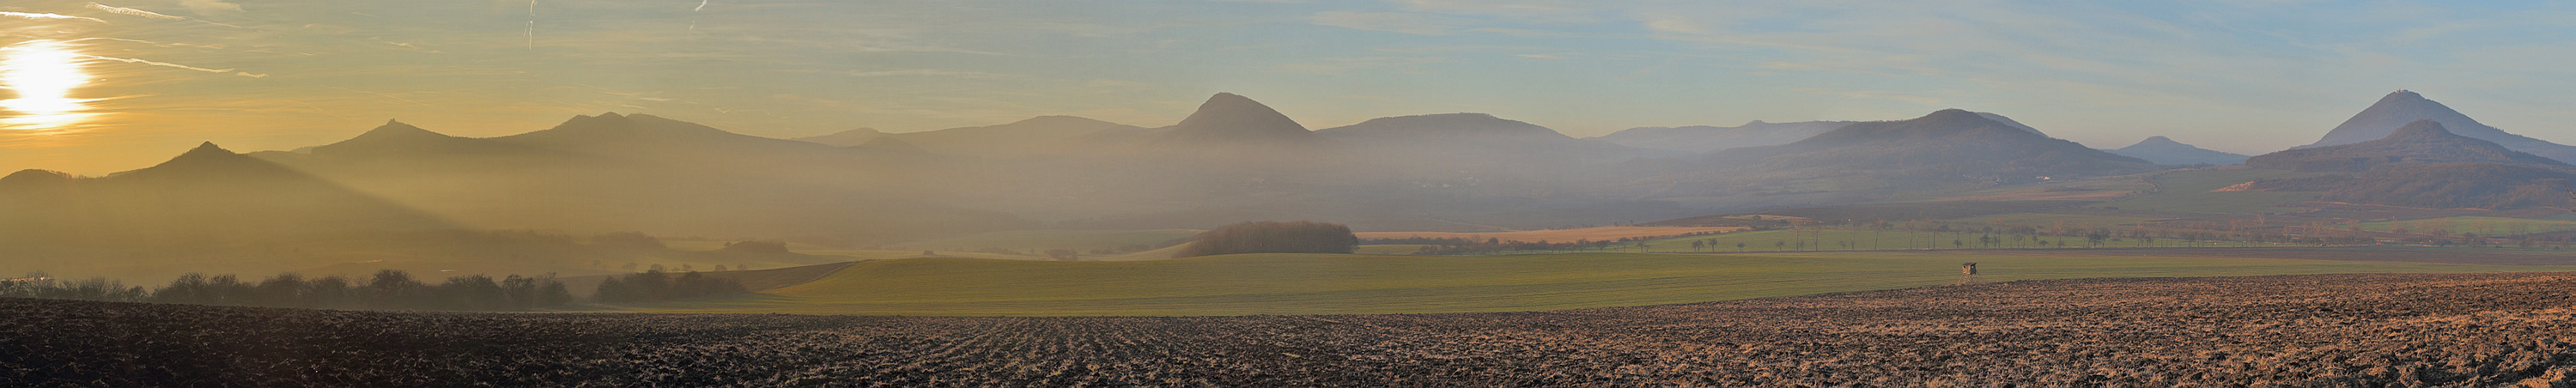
(2307, 330)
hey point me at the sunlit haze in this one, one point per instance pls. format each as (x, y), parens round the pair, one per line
(1260, 193)
(2245, 77)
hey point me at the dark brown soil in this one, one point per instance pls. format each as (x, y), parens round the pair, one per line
(2487, 256)
(2317, 330)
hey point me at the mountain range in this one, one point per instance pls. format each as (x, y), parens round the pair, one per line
(1233, 159)
(2166, 151)
(2419, 142)
(1702, 138)
(1947, 144)
(2402, 107)
(203, 196)
(2421, 164)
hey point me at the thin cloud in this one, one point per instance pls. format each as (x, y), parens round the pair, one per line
(149, 14)
(47, 16)
(210, 6)
(413, 47)
(176, 66)
(532, 25)
(133, 12)
(702, 7)
(154, 44)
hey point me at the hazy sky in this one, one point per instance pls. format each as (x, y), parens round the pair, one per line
(2243, 76)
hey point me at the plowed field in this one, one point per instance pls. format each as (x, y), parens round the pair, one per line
(2307, 330)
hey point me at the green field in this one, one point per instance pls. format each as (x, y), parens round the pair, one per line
(2045, 220)
(1847, 239)
(1388, 249)
(1350, 284)
(881, 254)
(2483, 226)
(1038, 240)
(2189, 191)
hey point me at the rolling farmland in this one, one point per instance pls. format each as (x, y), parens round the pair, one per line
(2193, 191)
(2316, 330)
(1352, 284)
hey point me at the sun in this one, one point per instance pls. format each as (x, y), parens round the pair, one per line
(43, 74)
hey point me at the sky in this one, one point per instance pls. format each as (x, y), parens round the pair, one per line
(94, 88)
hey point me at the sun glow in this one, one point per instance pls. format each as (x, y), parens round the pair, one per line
(43, 74)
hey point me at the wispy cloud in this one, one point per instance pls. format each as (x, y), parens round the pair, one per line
(155, 44)
(133, 12)
(209, 6)
(149, 14)
(176, 66)
(413, 47)
(47, 16)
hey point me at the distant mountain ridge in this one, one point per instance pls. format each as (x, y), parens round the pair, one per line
(1042, 135)
(2008, 121)
(1701, 138)
(1230, 119)
(2166, 151)
(844, 138)
(1461, 126)
(204, 195)
(1757, 133)
(2400, 108)
(2419, 142)
(1948, 143)
(2422, 164)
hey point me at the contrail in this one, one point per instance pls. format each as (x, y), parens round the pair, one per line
(166, 64)
(48, 16)
(149, 14)
(135, 12)
(155, 44)
(693, 22)
(176, 66)
(532, 25)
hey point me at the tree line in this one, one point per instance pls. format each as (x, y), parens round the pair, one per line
(386, 290)
(1273, 237)
(1462, 245)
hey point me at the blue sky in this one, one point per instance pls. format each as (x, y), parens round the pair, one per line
(2241, 76)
